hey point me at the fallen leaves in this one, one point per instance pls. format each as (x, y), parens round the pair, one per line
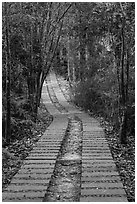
(124, 157)
(65, 183)
(14, 154)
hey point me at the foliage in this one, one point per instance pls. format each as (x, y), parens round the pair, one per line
(14, 153)
(123, 155)
(31, 33)
(100, 53)
(92, 44)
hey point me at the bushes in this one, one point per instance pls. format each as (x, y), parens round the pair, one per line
(21, 120)
(88, 96)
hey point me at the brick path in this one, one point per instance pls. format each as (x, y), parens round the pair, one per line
(100, 180)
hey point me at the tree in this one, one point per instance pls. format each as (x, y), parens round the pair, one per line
(8, 114)
(123, 44)
(37, 51)
(103, 41)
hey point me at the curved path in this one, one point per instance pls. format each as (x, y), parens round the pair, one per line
(100, 180)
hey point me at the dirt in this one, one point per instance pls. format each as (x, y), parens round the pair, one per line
(65, 184)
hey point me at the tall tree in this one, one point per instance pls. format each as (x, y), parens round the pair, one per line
(8, 59)
(43, 22)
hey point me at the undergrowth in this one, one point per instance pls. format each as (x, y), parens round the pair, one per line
(14, 153)
(86, 98)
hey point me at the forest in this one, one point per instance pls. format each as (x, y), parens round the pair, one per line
(91, 45)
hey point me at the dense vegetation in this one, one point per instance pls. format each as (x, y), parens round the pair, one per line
(31, 33)
(99, 50)
(100, 53)
(91, 44)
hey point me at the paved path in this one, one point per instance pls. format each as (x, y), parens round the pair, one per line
(100, 179)
(30, 183)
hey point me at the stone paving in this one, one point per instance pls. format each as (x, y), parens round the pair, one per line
(100, 180)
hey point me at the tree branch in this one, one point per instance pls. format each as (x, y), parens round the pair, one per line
(60, 18)
(49, 66)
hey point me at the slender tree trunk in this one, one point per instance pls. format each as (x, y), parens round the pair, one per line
(31, 70)
(86, 56)
(127, 75)
(8, 114)
(37, 100)
(31, 83)
(82, 60)
(41, 85)
(74, 72)
(82, 50)
(39, 91)
(69, 73)
(78, 69)
(122, 69)
(117, 65)
(123, 129)
(123, 133)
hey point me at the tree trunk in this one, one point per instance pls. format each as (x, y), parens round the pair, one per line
(8, 114)
(82, 60)
(122, 69)
(32, 77)
(117, 66)
(69, 72)
(41, 81)
(123, 129)
(38, 95)
(127, 75)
